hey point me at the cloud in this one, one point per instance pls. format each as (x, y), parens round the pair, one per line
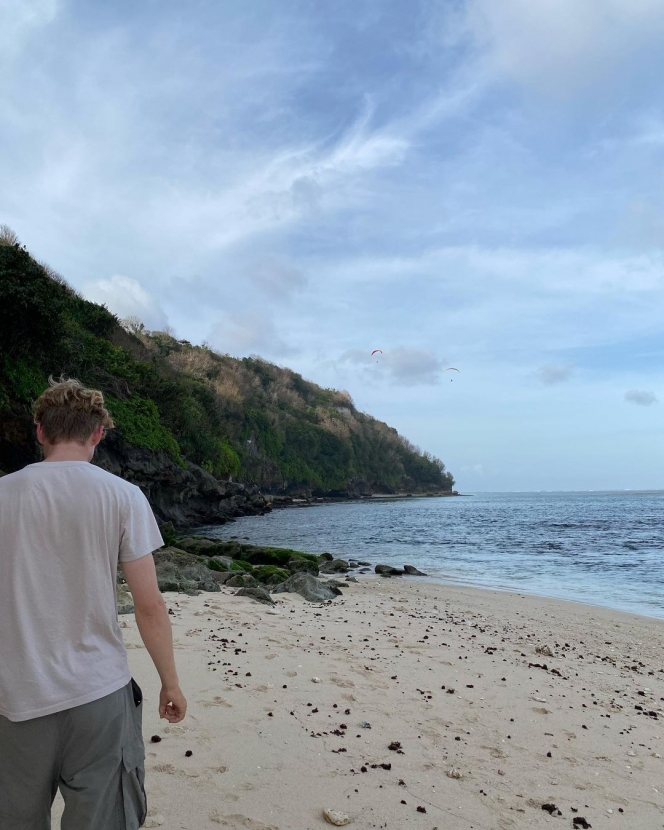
(640, 397)
(550, 374)
(565, 47)
(126, 297)
(401, 365)
(277, 279)
(246, 334)
(18, 19)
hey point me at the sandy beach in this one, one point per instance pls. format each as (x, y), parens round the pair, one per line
(452, 682)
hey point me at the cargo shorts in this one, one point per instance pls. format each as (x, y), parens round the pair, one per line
(93, 754)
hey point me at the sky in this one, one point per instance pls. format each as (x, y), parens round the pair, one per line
(464, 183)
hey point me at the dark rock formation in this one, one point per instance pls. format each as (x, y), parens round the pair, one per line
(411, 570)
(388, 570)
(185, 496)
(334, 566)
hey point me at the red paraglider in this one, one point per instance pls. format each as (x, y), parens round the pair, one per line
(376, 351)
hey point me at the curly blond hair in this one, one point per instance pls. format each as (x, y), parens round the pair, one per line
(67, 411)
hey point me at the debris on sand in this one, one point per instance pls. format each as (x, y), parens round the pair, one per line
(336, 817)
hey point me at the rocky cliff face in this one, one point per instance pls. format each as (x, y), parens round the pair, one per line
(186, 496)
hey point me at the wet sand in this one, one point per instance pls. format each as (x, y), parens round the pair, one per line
(450, 678)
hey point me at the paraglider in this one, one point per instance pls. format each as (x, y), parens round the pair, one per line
(451, 369)
(376, 351)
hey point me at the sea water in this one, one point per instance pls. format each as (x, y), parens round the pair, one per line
(604, 548)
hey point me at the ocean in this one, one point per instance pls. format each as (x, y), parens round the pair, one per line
(603, 548)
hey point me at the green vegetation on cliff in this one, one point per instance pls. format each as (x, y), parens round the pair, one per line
(246, 419)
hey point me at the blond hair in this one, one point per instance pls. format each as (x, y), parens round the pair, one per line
(67, 411)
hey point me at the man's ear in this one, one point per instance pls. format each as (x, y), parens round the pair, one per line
(40, 433)
(97, 435)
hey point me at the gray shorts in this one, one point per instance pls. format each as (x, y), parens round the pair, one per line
(93, 754)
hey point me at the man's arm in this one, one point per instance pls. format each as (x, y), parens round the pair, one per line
(154, 627)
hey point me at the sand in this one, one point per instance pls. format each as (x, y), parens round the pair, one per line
(450, 677)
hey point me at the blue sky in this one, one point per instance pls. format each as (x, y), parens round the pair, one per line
(476, 184)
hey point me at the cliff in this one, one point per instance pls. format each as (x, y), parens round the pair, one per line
(201, 433)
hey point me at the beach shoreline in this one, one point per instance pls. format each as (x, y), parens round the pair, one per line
(577, 729)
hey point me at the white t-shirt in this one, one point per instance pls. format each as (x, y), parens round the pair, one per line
(63, 525)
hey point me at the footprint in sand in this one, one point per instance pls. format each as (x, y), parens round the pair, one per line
(238, 820)
(541, 710)
(216, 701)
(494, 752)
(342, 682)
(169, 769)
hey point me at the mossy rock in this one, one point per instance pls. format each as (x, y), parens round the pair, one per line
(241, 565)
(168, 534)
(301, 565)
(196, 545)
(280, 557)
(180, 571)
(325, 557)
(270, 574)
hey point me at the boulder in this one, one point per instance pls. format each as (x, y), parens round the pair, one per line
(301, 565)
(222, 577)
(307, 586)
(195, 544)
(270, 574)
(411, 570)
(364, 564)
(124, 600)
(257, 593)
(180, 571)
(334, 566)
(225, 562)
(388, 570)
(241, 581)
(325, 557)
(333, 583)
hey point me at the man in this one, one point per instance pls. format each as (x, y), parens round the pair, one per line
(70, 714)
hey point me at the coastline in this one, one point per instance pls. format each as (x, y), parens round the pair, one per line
(578, 730)
(278, 502)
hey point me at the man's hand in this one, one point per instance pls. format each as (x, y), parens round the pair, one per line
(172, 704)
